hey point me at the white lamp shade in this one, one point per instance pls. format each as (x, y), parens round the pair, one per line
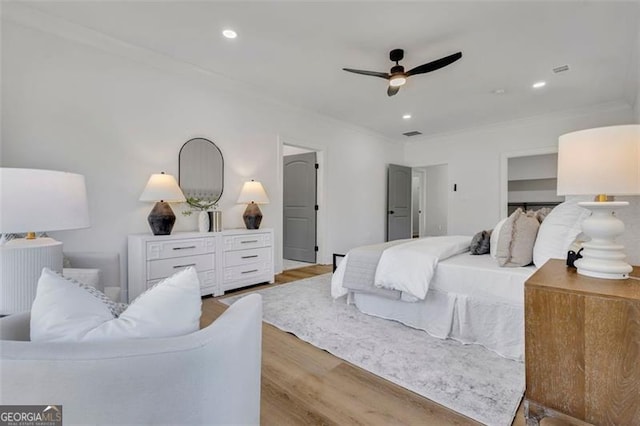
(604, 160)
(162, 187)
(253, 191)
(42, 200)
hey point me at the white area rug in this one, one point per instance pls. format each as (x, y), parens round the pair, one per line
(468, 379)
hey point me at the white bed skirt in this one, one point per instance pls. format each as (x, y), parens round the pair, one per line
(495, 324)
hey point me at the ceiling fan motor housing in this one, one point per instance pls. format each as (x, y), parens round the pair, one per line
(397, 69)
(396, 55)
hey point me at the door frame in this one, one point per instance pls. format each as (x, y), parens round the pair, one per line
(322, 256)
(420, 174)
(504, 172)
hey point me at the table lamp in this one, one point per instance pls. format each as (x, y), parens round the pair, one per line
(35, 200)
(162, 189)
(604, 161)
(252, 193)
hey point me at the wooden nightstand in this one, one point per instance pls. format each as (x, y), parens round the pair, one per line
(582, 347)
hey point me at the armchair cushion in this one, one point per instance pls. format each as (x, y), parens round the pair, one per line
(65, 310)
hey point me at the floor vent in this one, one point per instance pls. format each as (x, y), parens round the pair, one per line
(561, 68)
(412, 133)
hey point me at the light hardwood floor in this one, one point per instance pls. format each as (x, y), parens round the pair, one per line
(304, 385)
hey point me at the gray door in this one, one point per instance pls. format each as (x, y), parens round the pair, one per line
(398, 202)
(299, 229)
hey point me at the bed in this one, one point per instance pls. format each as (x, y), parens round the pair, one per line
(469, 298)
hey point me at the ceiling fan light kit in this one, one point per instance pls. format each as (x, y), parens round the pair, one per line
(397, 77)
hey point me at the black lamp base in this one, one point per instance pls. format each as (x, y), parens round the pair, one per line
(161, 219)
(252, 216)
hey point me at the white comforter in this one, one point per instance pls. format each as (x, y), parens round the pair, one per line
(409, 267)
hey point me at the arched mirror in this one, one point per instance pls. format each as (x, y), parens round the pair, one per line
(201, 172)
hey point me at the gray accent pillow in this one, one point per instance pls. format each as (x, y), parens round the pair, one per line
(481, 242)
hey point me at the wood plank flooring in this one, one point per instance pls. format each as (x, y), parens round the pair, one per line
(304, 385)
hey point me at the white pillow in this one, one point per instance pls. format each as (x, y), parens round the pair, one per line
(558, 231)
(495, 235)
(64, 311)
(86, 276)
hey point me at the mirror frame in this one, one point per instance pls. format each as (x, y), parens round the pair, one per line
(221, 158)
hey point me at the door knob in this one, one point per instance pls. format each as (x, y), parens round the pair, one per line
(391, 212)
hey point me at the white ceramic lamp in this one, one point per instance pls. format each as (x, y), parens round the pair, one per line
(602, 161)
(162, 189)
(35, 200)
(252, 193)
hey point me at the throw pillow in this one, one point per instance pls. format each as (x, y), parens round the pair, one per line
(542, 213)
(480, 244)
(66, 311)
(559, 229)
(517, 238)
(493, 243)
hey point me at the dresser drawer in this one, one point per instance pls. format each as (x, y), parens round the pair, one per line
(246, 272)
(207, 282)
(179, 248)
(245, 257)
(241, 242)
(165, 267)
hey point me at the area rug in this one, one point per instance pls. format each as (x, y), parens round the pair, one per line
(468, 379)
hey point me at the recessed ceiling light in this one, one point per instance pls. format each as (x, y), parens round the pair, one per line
(229, 34)
(406, 116)
(498, 91)
(539, 84)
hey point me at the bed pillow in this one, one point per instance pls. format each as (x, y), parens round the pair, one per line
(493, 245)
(517, 238)
(542, 213)
(65, 311)
(480, 244)
(558, 231)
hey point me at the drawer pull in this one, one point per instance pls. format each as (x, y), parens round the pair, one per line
(248, 272)
(184, 248)
(249, 257)
(184, 266)
(248, 241)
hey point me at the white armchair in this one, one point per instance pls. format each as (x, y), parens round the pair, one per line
(211, 376)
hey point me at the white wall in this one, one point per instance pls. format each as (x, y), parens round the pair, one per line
(294, 150)
(637, 106)
(533, 167)
(70, 106)
(474, 158)
(637, 72)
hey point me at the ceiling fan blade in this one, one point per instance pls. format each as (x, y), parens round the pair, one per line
(371, 73)
(391, 90)
(435, 65)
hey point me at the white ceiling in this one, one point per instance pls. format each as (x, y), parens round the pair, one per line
(295, 51)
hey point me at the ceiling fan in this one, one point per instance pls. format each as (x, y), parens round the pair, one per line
(398, 77)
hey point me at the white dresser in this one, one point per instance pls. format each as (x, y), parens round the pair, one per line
(248, 257)
(224, 260)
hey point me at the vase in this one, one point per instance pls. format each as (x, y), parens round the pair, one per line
(203, 222)
(216, 222)
(210, 214)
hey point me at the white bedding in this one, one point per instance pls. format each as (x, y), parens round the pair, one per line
(410, 267)
(471, 299)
